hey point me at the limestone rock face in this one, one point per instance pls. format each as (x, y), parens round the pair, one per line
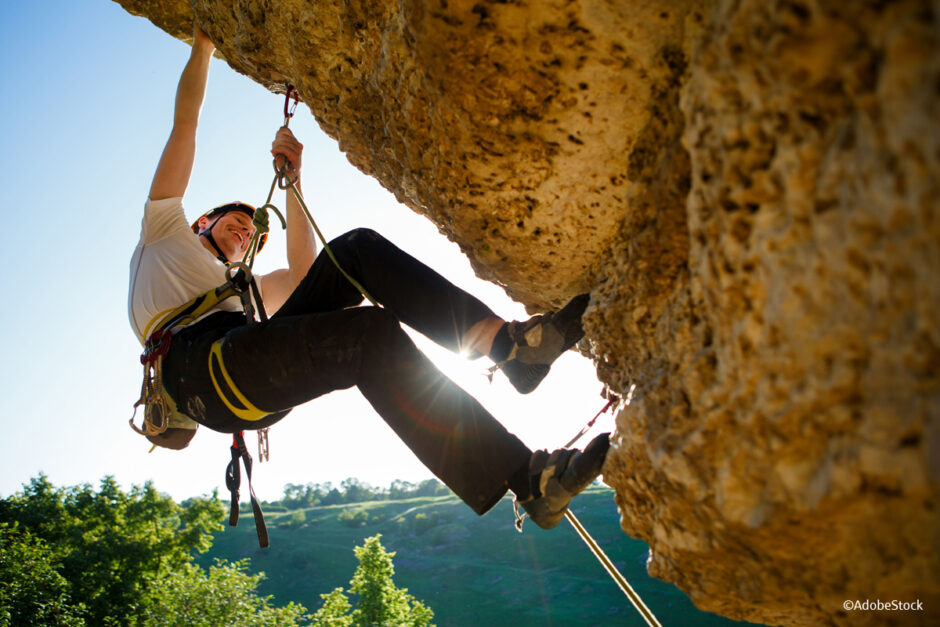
(748, 188)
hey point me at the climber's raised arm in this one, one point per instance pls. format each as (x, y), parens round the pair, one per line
(176, 163)
(301, 244)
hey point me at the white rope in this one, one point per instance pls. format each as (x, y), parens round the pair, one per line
(608, 565)
(619, 579)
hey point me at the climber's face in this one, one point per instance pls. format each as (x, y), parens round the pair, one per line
(232, 233)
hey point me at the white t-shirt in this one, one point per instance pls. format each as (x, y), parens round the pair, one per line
(169, 266)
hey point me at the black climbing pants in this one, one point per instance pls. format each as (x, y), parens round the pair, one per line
(319, 342)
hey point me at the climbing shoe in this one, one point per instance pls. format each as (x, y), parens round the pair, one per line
(558, 477)
(539, 341)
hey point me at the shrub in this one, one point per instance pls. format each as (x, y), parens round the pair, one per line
(401, 525)
(380, 601)
(297, 518)
(423, 523)
(354, 517)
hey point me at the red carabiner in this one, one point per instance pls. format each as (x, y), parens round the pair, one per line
(156, 347)
(288, 110)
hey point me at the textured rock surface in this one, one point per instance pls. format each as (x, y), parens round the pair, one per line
(749, 188)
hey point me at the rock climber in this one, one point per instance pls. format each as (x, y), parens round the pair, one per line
(318, 340)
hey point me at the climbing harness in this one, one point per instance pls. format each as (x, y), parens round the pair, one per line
(615, 402)
(156, 403)
(240, 406)
(160, 412)
(159, 408)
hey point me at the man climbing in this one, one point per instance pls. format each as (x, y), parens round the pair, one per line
(318, 340)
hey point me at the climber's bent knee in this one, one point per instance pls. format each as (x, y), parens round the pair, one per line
(356, 237)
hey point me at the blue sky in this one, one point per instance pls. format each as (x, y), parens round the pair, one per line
(88, 103)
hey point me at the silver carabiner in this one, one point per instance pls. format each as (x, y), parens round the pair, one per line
(285, 179)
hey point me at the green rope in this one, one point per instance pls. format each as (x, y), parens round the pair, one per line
(326, 247)
(260, 222)
(284, 180)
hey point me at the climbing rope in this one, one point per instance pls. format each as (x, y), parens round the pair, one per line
(608, 565)
(613, 402)
(285, 179)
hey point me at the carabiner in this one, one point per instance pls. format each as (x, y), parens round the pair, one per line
(239, 282)
(289, 110)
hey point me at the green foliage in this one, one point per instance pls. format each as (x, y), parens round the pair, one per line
(296, 519)
(354, 517)
(110, 557)
(402, 525)
(107, 541)
(226, 595)
(308, 495)
(380, 601)
(32, 592)
(431, 487)
(353, 490)
(447, 533)
(335, 610)
(474, 570)
(333, 497)
(401, 490)
(422, 523)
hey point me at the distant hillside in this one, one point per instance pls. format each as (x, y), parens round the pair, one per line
(471, 570)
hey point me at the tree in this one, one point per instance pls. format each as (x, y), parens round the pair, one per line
(294, 495)
(107, 542)
(401, 490)
(353, 517)
(306, 495)
(32, 592)
(380, 601)
(431, 487)
(226, 595)
(297, 518)
(114, 558)
(355, 491)
(335, 610)
(333, 497)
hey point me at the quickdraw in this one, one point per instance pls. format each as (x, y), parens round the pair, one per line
(152, 397)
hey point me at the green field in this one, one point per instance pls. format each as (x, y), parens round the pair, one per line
(468, 569)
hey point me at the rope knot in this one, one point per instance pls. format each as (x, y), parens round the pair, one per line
(260, 220)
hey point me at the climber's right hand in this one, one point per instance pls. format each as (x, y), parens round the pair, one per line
(201, 39)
